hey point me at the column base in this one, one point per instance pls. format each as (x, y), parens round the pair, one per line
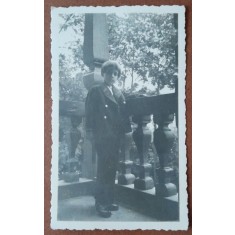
(144, 184)
(165, 187)
(71, 176)
(126, 179)
(92, 79)
(166, 190)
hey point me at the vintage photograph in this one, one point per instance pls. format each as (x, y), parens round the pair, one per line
(118, 118)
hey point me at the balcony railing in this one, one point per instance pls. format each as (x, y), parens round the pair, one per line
(148, 155)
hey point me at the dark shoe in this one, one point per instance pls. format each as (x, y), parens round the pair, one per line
(103, 211)
(112, 207)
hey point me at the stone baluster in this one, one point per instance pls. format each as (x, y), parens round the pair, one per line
(164, 140)
(95, 52)
(125, 177)
(75, 135)
(72, 164)
(89, 159)
(142, 138)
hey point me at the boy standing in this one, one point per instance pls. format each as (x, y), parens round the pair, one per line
(106, 122)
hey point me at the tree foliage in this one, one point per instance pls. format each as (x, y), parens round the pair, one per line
(144, 44)
(71, 65)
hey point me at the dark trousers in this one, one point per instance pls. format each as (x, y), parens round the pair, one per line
(108, 152)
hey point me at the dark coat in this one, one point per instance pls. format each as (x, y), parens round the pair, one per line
(107, 119)
(105, 113)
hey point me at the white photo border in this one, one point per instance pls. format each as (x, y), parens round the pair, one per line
(182, 224)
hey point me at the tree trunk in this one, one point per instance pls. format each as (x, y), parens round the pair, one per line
(132, 71)
(157, 89)
(132, 78)
(124, 80)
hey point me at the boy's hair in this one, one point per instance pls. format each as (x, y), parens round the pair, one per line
(108, 65)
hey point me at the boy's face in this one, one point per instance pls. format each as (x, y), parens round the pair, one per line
(110, 76)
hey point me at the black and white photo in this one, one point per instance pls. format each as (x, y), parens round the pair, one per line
(118, 118)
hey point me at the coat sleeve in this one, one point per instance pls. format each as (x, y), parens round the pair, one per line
(90, 109)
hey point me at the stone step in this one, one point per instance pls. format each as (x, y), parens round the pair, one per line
(75, 189)
(141, 201)
(146, 202)
(82, 208)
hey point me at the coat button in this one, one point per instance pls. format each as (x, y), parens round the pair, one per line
(106, 106)
(105, 117)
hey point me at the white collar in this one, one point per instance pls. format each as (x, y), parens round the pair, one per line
(110, 88)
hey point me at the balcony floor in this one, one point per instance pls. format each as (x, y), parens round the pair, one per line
(82, 209)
